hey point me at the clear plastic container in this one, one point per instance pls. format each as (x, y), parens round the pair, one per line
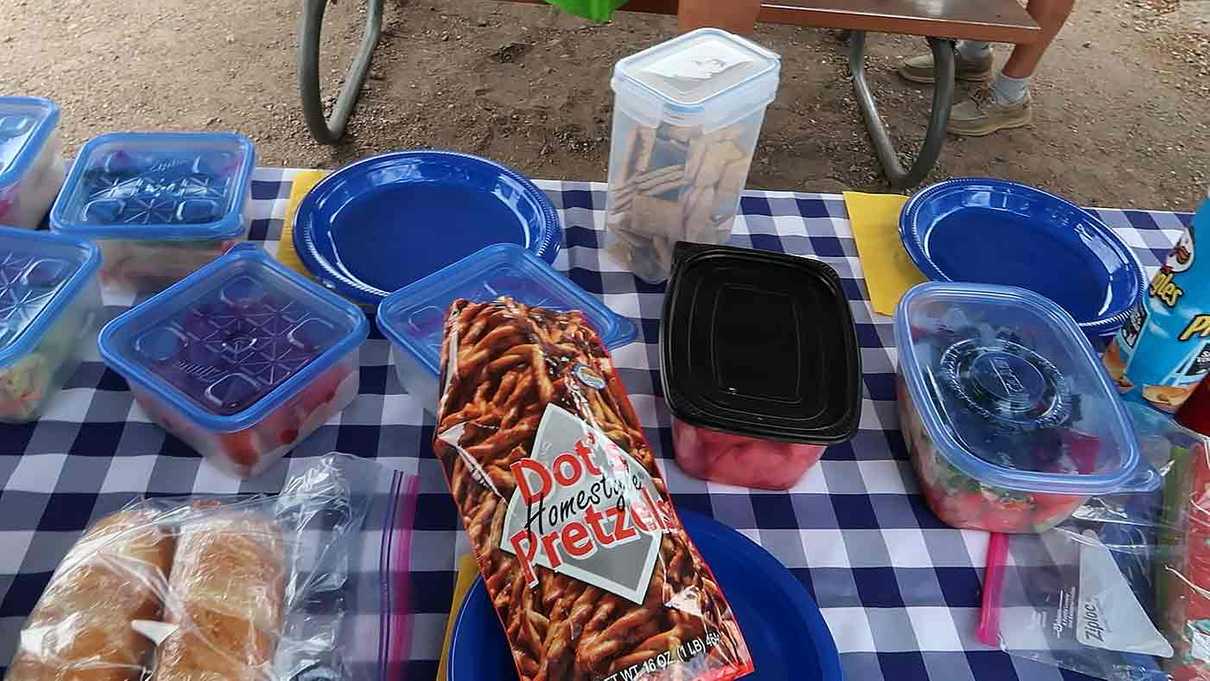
(686, 117)
(242, 360)
(413, 317)
(1010, 422)
(31, 159)
(760, 364)
(49, 300)
(160, 205)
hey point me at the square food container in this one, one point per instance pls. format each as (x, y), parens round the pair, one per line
(49, 301)
(1009, 419)
(159, 204)
(686, 117)
(760, 365)
(242, 360)
(31, 159)
(413, 317)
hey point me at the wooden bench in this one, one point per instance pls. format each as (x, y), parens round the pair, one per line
(940, 21)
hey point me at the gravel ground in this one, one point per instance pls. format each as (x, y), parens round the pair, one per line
(1121, 102)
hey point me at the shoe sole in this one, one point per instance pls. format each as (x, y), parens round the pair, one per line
(984, 132)
(982, 77)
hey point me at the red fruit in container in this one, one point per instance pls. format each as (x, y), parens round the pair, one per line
(241, 360)
(1007, 398)
(759, 364)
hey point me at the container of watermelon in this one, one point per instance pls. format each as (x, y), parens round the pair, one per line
(1008, 418)
(242, 360)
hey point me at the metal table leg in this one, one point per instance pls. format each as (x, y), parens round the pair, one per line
(329, 131)
(943, 92)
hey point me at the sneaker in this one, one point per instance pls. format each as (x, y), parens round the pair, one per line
(919, 69)
(981, 114)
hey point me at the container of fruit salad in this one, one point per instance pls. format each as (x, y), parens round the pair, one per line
(413, 317)
(31, 159)
(49, 301)
(159, 204)
(242, 359)
(759, 361)
(1009, 419)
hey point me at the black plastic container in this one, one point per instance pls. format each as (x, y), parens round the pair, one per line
(760, 364)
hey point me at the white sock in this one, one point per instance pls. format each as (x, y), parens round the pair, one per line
(1008, 90)
(973, 49)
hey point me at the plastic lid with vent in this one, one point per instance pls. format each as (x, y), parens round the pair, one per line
(171, 186)
(40, 275)
(707, 77)
(413, 317)
(759, 344)
(26, 124)
(234, 340)
(1011, 393)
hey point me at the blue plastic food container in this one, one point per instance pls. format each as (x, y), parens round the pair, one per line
(384, 222)
(242, 360)
(1009, 419)
(413, 317)
(159, 204)
(31, 159)
(49, 300)
(1000, 232)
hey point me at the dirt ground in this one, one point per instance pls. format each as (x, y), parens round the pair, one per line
(1122, 101)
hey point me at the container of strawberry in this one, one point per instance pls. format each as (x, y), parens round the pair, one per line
(1009, 421)
(242, 360)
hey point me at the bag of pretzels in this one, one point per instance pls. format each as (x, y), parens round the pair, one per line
(584, 557)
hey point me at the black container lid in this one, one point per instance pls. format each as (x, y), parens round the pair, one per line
(759, 344)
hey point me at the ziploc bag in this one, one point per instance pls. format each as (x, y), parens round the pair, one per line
(1183, 572)
(1079, 597)
(1082, 596)
(244, 587)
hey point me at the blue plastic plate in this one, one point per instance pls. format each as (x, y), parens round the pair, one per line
(998, 232)
(383, 222)
(782, 626)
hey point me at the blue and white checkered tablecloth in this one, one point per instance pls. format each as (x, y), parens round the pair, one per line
(899, 590)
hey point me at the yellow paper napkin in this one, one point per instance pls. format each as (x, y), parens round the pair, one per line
(302, 183)
(468, 570)
(889, 272)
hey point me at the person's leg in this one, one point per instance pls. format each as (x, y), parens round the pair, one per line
(1006, 102)
(973, 62)
(1050, 15)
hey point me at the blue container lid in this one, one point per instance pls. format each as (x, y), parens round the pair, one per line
(40, 274)
(783, 628)
(234, 340)
(173, 186)
(384, 222)
(1000, 232)
(413, 317)
(26, 123)
(1012, 394)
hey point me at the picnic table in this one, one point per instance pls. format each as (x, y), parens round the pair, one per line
(940, 21)
(899, 590)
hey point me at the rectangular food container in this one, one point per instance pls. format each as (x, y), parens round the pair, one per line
(412, 317)
(31, 159)
(242, 360)
(1009, 419)
(159, 204)
(49, 302)
(686, 117)
(760, 365)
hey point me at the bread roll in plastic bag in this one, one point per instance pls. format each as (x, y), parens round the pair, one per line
(249, 587)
